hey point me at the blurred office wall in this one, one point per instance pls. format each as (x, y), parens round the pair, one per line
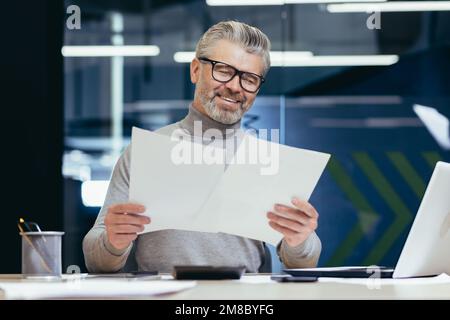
(353, 98)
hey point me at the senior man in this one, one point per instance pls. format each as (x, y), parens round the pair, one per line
(229, 67)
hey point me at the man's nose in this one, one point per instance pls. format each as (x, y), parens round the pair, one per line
(234, 84)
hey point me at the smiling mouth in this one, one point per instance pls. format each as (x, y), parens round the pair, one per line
(228, 99)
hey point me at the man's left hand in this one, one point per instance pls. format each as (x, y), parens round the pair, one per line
(295, 223)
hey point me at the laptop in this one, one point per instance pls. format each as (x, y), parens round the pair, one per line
(426, 250)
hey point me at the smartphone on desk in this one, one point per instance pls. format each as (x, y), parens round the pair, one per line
(143, 273)
(130, 275)
(207, 272)
(289, 278)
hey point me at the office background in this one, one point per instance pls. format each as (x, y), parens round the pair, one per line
(337, 86)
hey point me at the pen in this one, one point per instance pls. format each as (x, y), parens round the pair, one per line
(23, 233)
(24, 225)
(27, 227)
(36, 225)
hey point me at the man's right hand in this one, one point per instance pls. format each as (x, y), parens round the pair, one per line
(123, 221)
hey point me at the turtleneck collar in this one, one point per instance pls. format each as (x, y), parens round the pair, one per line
(206, 123)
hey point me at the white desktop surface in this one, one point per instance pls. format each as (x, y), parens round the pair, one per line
(259, 287)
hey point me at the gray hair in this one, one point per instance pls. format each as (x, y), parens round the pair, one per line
(251, 39)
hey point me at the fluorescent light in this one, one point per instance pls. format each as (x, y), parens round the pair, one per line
(307, 59)
(396, 6)
(436, 123)
(244, 2)
(93, 193)
(276, 57)
(341, 60)
(184, 56)
(276, 2)
(328, 1)
(286, 58)
(109, 51)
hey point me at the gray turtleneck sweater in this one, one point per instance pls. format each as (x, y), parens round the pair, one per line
(161, 250)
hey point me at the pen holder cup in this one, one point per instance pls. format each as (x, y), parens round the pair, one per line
(41, 253)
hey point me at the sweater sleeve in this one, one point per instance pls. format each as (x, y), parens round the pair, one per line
(305, 255)
(99, 254)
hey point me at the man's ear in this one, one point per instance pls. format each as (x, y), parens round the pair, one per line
(195, 70)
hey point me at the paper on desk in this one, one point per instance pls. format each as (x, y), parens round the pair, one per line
(332, 268)
(243, 196)
(255, 279)
(90, 289)
(443, 278)
(203, 197)
(171, 193)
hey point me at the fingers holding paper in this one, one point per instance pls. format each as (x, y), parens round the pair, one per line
(123, 221)
(296, 222)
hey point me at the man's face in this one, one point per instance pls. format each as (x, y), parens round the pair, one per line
(224, 102)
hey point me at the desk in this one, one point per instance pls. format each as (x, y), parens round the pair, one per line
(245, 289)
(231, 290)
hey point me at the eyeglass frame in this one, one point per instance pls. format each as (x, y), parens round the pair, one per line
(236, 72)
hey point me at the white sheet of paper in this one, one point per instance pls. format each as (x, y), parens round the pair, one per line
(171, 193)
(90, 288)
(242, 198)
(204, 198)
(255, 279)
(332, 268)
(443, 278)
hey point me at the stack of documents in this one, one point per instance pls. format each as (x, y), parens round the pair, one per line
(90, 289)
(232, 198)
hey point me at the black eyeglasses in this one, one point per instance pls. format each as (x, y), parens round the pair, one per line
(222, 72)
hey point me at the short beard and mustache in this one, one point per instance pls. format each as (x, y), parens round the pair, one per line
(220, 115)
